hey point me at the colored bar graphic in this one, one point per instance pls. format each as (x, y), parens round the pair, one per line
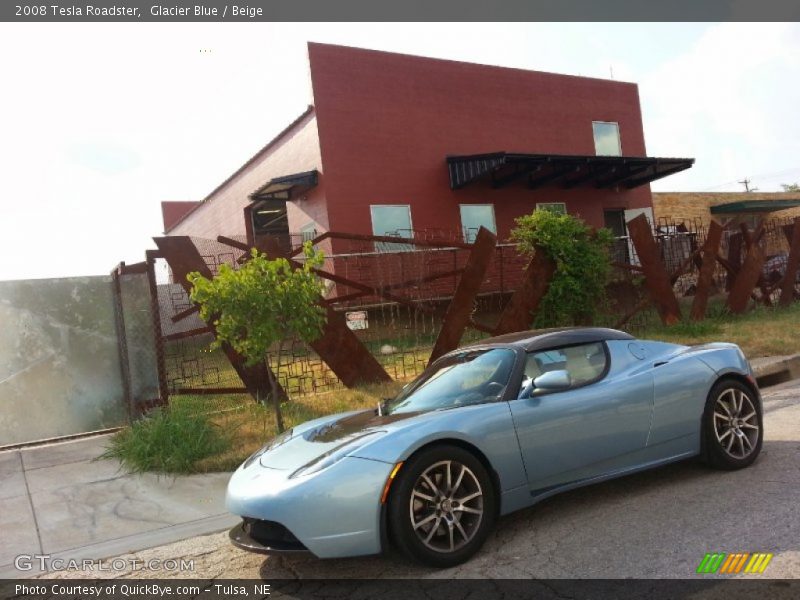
(741, 562)
(722, 563)
(701, 568)
(764, 564)
(711, 562)
(729, 562)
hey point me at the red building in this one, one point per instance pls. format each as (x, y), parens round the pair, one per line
(396, 143)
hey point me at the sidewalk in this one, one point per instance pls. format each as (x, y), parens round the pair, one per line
(57, 500)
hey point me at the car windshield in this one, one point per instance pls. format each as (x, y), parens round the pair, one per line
(469, 377)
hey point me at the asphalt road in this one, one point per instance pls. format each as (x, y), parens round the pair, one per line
(657, 524)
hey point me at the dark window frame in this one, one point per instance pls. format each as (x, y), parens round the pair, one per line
(600, 377)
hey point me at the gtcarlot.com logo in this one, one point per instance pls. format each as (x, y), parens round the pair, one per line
(741, 562)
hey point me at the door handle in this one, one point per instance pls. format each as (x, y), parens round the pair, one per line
(659, 363)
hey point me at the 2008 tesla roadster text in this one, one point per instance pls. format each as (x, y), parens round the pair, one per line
(488, 429)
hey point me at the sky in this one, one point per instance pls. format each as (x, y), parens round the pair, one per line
(99, 123)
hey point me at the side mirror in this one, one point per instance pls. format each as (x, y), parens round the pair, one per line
(553, 380)
(526, 389)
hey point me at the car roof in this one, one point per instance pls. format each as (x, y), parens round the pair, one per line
(542, 339)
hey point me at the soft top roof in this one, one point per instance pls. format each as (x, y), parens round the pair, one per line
(542, 339)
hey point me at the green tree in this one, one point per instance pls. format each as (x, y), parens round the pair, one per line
(262, 305)
(577, 291)
(790, 187)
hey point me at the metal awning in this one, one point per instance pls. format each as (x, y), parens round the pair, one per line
(753, 206)
(503, 168)
(286, 187)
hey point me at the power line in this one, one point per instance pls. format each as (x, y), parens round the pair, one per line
(761, 177)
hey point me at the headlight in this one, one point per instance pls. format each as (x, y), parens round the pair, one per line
(276, 441)
(323, 461)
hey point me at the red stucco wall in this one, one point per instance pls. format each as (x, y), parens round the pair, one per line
(173, 211)
(387, 121)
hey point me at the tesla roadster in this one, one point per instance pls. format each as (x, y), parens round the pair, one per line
(489, 429)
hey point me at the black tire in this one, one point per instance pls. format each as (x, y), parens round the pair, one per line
(464, 532)
(730, 438)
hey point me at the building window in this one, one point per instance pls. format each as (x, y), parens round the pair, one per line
(556, 207)
(475, 216)
(308, 232)
(391, 219)
(606, 138)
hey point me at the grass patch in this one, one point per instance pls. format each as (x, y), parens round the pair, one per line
(203, 434)
(763, 331)
(168, 440)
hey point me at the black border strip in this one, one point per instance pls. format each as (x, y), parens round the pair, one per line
(392, 10)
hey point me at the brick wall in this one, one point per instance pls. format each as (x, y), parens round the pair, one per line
(696, 206)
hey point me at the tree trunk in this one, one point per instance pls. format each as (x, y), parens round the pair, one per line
(273, 384)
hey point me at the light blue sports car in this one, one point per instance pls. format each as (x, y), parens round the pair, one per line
(488, 429)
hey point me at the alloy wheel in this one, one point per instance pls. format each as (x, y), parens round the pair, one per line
(736, 423)
(446, 506)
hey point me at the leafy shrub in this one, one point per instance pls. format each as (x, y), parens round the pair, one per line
(168, 440)
(262, 304)
(577, 292)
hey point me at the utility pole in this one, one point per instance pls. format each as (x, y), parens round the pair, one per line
(746, 183)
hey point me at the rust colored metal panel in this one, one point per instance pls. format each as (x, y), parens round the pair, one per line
(235, 243)
(183, 258)
(735, 243)
(459, 311)
(518, 313)
(187, 334)
(338, 235)
(248, 225)
(705, 278)
(185, 313)
(746, 279)
(346, 356)
(656, 278)
(792, 265)
(788, 231)
(211, 391)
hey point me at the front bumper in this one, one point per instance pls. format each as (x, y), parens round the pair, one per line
(265, 537)
(333, 513)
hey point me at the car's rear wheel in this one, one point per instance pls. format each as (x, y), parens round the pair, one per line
(733, 426)
(442, 507)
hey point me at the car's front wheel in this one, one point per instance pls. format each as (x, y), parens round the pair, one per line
(733, 426)
(442, 507)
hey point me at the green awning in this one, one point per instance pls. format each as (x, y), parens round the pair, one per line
(753, 206)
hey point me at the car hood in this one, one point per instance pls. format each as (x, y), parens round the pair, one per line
(312, 440)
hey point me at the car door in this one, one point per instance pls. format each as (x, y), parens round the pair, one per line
(595, 426)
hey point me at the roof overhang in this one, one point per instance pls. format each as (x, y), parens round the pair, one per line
(503, 168)
(286, 187)
(753, 206)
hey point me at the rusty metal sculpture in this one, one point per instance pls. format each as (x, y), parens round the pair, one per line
(705, 277)
(518, 313)
(459, 311)
(792, 264)
(746, 279)
(657, 279)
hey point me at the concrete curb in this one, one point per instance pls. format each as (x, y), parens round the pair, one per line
(772, 370)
